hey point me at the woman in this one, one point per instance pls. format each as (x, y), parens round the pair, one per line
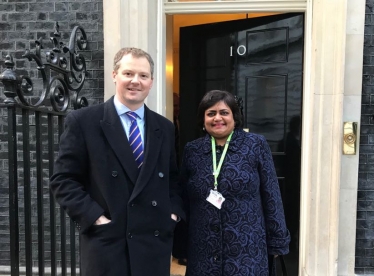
(235, 211)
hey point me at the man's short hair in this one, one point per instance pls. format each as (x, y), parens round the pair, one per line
(135, 52)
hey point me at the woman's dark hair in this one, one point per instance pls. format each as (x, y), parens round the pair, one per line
(214, 96)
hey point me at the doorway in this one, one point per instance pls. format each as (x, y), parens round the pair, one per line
(260, 60)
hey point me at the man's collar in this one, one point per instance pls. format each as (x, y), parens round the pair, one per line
(122, 109)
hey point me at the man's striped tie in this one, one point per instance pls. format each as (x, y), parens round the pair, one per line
(135, 139)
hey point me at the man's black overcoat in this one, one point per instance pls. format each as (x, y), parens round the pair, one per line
(95, 173)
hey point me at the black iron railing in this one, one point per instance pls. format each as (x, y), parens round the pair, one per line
(42, 240)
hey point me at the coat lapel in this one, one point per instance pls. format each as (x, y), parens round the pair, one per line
(116, 136)
(237, 140)
(152, 151)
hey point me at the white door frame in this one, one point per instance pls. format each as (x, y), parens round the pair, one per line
(334, 31)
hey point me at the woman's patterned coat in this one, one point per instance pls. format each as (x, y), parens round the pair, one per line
(236, 239)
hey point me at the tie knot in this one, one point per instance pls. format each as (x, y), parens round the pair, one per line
(132, 115)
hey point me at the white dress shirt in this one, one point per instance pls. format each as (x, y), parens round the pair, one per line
(125, 120)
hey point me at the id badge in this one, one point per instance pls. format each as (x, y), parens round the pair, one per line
(215, 198)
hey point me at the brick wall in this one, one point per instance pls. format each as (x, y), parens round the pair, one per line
(365, 205)
(21, 23)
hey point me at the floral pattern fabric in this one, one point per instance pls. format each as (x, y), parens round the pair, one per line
(236, 239)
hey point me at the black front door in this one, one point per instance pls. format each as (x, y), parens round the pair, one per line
(260, 60)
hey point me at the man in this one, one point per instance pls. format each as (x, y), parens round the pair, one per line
(125, 201)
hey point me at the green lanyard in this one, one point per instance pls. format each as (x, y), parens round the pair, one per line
(216, 170)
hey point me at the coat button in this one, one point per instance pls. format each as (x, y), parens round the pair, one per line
(156, 233)
(129, 235)
(132, 204)
(154, 203)
(216, 258)
(161, 175)
(114, 173)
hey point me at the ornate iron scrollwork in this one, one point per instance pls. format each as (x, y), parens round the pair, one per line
(63, 71)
